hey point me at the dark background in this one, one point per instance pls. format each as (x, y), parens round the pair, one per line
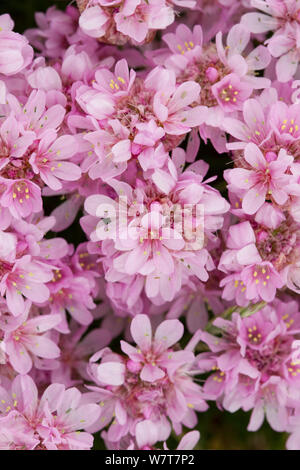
(219, 430)
(22, 11)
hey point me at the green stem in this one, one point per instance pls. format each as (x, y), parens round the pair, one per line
(243, 311)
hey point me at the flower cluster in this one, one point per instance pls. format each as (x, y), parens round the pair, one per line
(118, 22)
(149, 195)
(148, 390)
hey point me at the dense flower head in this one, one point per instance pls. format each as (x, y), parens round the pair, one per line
(282, 18)
(15, 52)
(255, 363)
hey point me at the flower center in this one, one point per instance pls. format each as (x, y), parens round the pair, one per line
(279, 246)
(254, 336)
(5, 268)
(269, 359)
(21, 191)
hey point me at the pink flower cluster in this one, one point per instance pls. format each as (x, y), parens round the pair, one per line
(149, 195)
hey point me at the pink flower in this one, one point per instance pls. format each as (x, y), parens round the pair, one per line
(232, 56)
(150, 243)
(190, 303)
(132, 20)
(189, 441)
(148, 434)
(152, 353)
(49, 159)
(224, 74)
(258, 267)
(27, 278)
(14, 142)
(266, 178)
(184, 41)
(24, 339)
(106, 125)
(254, 127)
(129, 21)
(55, 30)
(293, 441)
(268, 123)
(112, 150)
(75, 351)
(21, 197)
(132, 109)
(16, 433)
(241, 243)
(70, 293)
(138, 389)
(93, 21)
(118, 83)
(284, 120)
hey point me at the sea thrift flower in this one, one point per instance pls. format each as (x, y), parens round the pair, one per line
(21, 197)
(253, 127)
(266, 178)
(135, 117)
(25, 277)
(55, 29)
(16, 433)
(293, 442)
(150, 357)
(282, 17)
(191, 302)
(112, 151)
(272, 126)
(258, 260)
(14, 142)
(49, 159)
(111, 138)
(23, 339)
(33, 154)
(72, 293)
(35, 115)
(15, 51)
(225, 76)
